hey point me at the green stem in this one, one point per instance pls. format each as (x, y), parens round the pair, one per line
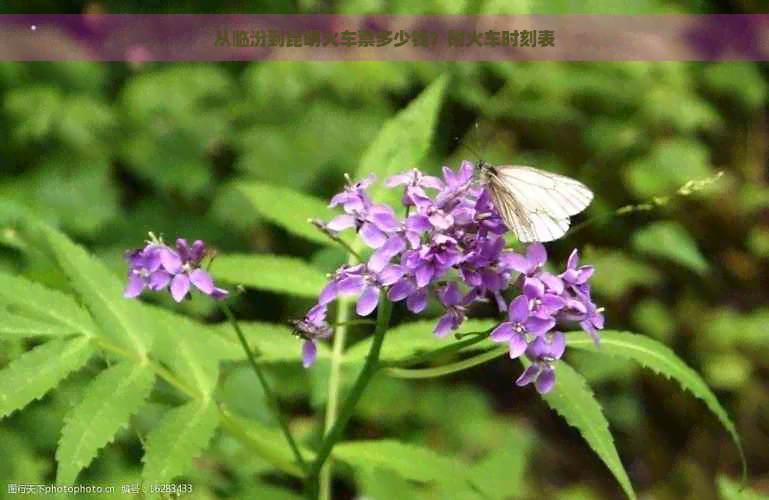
(340, 338)
(370, 367)
(271, 398)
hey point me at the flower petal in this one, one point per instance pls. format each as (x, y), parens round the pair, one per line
(202, 281)
(502, 333)
(519, 309)
(159, 280)
(329, 293)
(134, 287)
(529, 375)
(400, 290)
(368, 301)
(443, 326)
(170, 260)
(546, 380)
(536, 255)
(518, 345)
(351, 285)
(372, 235)
(417, 301)
(309, 352)
(180, 286)
(341, 222)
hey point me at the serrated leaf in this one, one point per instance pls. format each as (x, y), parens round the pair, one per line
(408, 461)
(408, 339)
(33, 299)
(405, 139)
(187, 348)
(574, 401)
(36, 372)
(121, 321)
(289, 209)
(109, 401)
(659, 358)
(19, 326)
(180, 436)
(669, 240)
(501, 474)
(275, 273)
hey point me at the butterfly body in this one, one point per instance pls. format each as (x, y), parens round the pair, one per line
(534, 204)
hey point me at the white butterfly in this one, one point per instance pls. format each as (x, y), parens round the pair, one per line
(534, 204)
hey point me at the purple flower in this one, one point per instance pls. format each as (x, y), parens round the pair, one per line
(544, 304)
(186, 267)
(543, 352)
(452, 300)
(574, 276)
(360, 280)
(452, 237)
(312, 328)
(157, 265)
(373, 222)
(415, 182)
(581, 309)
(521, 325)
(145, 270)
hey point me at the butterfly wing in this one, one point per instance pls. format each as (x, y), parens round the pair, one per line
(536, 204)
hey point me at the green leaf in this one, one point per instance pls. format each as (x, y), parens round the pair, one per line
(271, 342)
(384, 483)
(662, 360)
(188, 349)
(405, 139)
(175, 91)
(409, 339)
(121, 320)
(108, 403)
(77, 193)
(289, 209)
(670, 240)
(85, 124)
(242, 392)
(50, 306)
(271, 492)
(670, 164)
(616, 273)
(732, 490)
(501, 474)
(37, 108)
(274, 273)
(19, 326)
(574, 401)
(36, 372)
(408, 461)
(181, 435)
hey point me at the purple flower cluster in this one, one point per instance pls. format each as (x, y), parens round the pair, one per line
(157, 266)
(451, 239)
(546, 301)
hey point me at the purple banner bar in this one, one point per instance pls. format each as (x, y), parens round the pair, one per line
(200, 37)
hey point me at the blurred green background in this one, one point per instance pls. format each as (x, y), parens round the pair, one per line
(110, 151)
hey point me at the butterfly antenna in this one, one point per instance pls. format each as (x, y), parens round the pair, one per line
(687, 189)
